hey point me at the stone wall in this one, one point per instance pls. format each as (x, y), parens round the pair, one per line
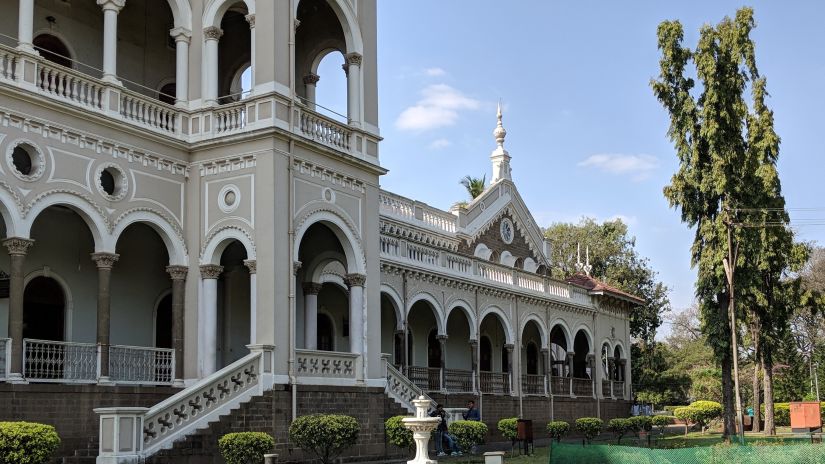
(69, 408)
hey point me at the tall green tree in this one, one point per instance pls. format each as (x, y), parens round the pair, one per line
(727, 177)
(474, 185)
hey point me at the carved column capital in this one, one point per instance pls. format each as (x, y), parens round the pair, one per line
(296, 266)
(355, 280)
(311, 288)
(18, 246)
(252, 265)
(211, 271)
(105, 260)
(441, 338)
(177, 272)
(250, 18)
(509, 347)
(181, 34)
(311, 79)
(114, 5)
(473, 343)
(353, 59)
(212, 33)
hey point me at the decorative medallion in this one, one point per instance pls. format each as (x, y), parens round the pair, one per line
(229, 198)
(507, 230)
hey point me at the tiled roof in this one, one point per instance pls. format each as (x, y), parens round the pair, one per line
(595, 286)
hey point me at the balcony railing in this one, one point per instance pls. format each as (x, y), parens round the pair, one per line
(332, 364)
(618, 389)
(606, 389)
(532, 384)
(427, 378)
(495, 383)
(5, 354)
(141, 365)
(458, 381)
(560, 386)
(582, 387)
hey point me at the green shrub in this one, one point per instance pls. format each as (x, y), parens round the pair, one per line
(27, 443)
(508, 428)
(619, 426)
(325, 435)
(671, 409)
(781, 414)
(642, 423)
(660, 422)
(397, 434)
(468, 434)
(590, 427)
(706, 411)
(685, 414)
(558, 429)
(245, 447)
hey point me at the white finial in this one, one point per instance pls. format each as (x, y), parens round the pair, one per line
(500, 157)
(499, 133)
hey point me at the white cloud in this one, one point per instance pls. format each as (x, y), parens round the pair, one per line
(438, 144)
(434, 72)
(640, 166)
(438, 107)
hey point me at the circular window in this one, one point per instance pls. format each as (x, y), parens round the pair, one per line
(26, 161)
(111, 182)
(229, 198)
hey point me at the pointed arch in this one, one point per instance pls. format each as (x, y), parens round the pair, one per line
(502, 317)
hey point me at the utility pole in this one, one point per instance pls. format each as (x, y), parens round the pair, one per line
(730, 269)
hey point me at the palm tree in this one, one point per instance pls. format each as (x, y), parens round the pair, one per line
(474, 185)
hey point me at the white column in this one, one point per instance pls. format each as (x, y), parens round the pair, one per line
(211, 37)
(250, 18)
(25, 25)
(310, 82)
(209, 277)
(252, 265)
(311, 290)
(182, 38)
(356, 312)
(353, 62)
(111, 8)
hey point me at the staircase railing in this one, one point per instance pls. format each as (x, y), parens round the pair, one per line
(402, 389)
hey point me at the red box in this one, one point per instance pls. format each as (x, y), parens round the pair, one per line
(805, 416)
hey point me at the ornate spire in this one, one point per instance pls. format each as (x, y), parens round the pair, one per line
(500, 157)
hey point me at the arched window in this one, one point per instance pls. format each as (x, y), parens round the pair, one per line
(326, 333)
(53, 49)
(532, 355)
(44, 306)
(433, 350)
(486, 355)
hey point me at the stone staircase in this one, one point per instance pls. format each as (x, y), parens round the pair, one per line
(403, 390)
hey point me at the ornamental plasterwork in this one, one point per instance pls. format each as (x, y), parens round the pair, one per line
(330, 208)
(172, 222)
(328, 175)
(227, 164)
(411, 233)
(208, 239)
(121, 182)
(519, 226)
(38, 160)
(103, 214)
(99, 145)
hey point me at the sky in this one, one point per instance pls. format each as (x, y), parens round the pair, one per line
(586, 135)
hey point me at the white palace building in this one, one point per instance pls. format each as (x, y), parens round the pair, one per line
(192, 245)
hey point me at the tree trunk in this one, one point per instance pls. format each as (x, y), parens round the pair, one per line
(767, 372)
(756, 369)
(726, 364)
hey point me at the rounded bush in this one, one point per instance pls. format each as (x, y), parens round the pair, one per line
(619, 426)
(705, 411)
(508, 428)
(661, 422)
(245, 447)
(557, 430)
(27, 443)
(590, 427)
(468, 434)
(781, 414)
(642, 423)
(397, 434)
(325, 435)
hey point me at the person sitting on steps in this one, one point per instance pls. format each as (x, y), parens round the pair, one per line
(442, 434)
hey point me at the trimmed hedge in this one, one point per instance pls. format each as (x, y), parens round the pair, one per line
(619, 426)
(397, 434)
(782, 413)
(508, 428)
(468, 434)
(642, 423)
(27, 443)
(661, 422)
(245, 447)
(557, 430)
(325, 435)
(590, 427)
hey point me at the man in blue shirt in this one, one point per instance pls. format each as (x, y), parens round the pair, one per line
(472, 413)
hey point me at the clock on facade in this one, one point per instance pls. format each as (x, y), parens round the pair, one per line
(506, 228)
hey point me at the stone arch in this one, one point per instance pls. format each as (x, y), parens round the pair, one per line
(9, 213)
(68, 305)
(542, 328)
(181, 13)
(568, 338)
(587, 333)
(395, 299)
(90, 213)
(349, 24)
(215, 9)
(175, 246)
(64, 41)
(464, 307)
(604, 342)
(434, 305)
(343, 230)
(502, 317)
(315, 269)
(618, 346)
(221, 239)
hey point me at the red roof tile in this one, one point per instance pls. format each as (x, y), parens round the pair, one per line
(595, 286)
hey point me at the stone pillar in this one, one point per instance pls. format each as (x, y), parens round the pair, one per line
(570, 355)
(25, 26)
(355, 282)
(211, 37)
(182, 38)
(591, 362)
(474, 363)
(442, 345)
(178, 275)
(545, 365)
(18, 247)
(353, 63)
(209, 278)
(250, 18)
(509, 347)
(311, 290)
(252, 265)
(111, 8)
(310, 82)
(105, 262)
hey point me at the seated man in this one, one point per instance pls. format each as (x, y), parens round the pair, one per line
(442, 434)
(472, 413)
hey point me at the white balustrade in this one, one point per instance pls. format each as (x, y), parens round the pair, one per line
(458, 263)
(8, 62)
(50, 361)
(141, 365)
(496, 273)
(395, 205)
(401, 388)
(389, 246)
(530, 281)
(317, 127)
(69, 85)
(311, 363)
(559, 289)
(148, 112)
(230, 118)
(422, 254)
(5, 357)
(439, 219)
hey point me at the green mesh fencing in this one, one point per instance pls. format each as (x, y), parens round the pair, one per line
(564, 453)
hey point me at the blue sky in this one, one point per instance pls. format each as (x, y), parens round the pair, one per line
(586, 135)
